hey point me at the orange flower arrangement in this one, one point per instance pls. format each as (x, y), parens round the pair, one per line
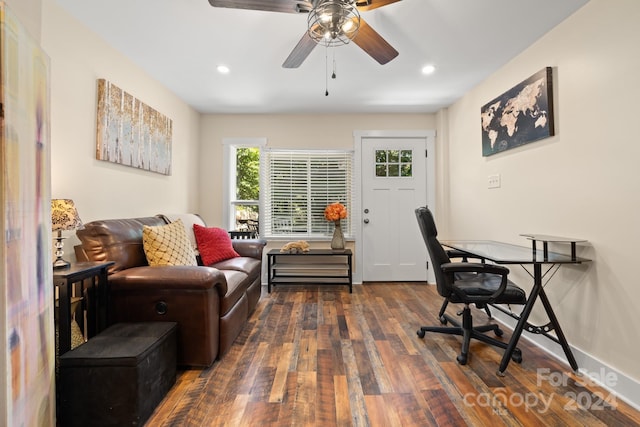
(335, 212)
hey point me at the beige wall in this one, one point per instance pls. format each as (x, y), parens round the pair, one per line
(29, 13)
(102, 189)
(285, 131)
(584, 182)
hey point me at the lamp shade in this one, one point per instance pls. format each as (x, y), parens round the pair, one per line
(64, 215)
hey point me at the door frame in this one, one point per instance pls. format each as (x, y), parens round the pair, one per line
(358, 137)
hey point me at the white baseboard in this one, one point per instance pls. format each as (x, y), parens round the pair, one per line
(621, 385)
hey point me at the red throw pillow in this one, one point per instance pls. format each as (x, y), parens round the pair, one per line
(214, 244)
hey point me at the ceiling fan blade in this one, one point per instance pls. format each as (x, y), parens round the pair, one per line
(364, 5)
(300, 52)
(285, 6)
(373, 43)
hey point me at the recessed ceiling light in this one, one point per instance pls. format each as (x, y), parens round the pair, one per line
(428, 69)
(223, 69)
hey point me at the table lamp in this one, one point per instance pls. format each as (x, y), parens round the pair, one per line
(64, 216)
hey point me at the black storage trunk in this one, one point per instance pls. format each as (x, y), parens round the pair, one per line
(118, 377)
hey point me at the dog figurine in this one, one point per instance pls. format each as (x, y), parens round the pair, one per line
(295, 247)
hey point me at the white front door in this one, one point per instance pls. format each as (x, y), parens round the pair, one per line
(394, 181)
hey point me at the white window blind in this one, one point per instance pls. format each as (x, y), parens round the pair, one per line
(297, 185)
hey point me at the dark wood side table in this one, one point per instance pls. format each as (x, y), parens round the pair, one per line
(94, 273)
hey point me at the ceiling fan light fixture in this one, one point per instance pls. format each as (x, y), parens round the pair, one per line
(333, 22)
(347, 26)
(428, 69)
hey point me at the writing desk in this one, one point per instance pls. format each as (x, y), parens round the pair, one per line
(504, 253)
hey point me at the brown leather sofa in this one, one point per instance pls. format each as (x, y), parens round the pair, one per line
(210, 304)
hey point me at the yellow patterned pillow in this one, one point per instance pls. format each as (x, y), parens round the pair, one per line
(167, 245)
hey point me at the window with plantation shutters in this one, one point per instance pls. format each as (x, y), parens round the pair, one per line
(297, 185)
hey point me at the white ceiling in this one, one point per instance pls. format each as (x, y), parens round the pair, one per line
(181, 42)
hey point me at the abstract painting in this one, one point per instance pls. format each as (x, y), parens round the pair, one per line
(131, 133)
(519, 116)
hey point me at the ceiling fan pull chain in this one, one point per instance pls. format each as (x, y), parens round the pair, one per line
(326, 71)
(333, 76)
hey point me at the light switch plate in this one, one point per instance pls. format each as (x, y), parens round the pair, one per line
(493, 181)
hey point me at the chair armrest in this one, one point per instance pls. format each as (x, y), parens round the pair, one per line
(472, 267)
(454, 253)
(249, 247)
(169, 277)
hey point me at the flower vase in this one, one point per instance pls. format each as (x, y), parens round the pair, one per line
(337, 242)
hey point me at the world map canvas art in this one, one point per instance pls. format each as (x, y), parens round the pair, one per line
(519, 116)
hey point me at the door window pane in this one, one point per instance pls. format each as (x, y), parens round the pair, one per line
(394, 163)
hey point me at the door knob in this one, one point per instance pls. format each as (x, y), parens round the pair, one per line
(366, 220)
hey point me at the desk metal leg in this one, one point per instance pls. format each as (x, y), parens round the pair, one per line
(537, 286)
(537, 290)
(556, 327)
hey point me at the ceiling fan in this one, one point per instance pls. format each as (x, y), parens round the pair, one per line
(330, 22)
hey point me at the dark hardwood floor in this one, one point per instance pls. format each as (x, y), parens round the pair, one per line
(314, 355)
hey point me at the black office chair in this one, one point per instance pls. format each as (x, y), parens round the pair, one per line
(467, 283)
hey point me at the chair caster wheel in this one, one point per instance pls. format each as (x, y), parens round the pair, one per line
(443, 320)
(517, 356)
(499, 332)
(420, 333)
(462, 359)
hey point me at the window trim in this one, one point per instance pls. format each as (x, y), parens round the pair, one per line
(229, 146)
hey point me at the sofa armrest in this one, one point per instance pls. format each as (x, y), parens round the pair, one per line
(81, 254)
(249, 247)
(187, 295)
(169, 277)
